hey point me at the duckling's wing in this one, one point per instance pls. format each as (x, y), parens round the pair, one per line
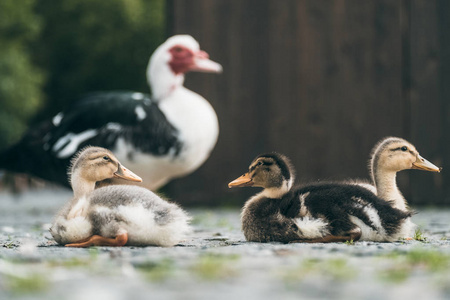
(339, 201)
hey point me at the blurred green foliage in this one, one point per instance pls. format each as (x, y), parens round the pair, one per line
(21, 81)
(80, 45)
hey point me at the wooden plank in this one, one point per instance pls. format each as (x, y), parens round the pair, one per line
(336, 69)
(322, 82)
(237, 42)
(426, 129)
(443, 12)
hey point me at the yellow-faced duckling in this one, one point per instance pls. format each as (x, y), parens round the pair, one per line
(115, 215)
(389, 156)
(325, 212)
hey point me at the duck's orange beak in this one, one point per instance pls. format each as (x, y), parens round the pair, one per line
(126, 174)
(423, 164)
(244, 180)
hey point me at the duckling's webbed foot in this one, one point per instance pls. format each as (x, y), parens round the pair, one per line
(97, 240)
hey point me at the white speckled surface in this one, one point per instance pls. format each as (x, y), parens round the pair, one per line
(215, 262)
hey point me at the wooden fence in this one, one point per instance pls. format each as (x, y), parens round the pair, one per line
(322, 82)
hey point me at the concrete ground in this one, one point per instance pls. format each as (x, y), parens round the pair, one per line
(215, 262)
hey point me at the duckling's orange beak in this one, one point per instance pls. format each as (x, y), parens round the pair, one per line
(126, 174)
(423, 164)
(244, 180)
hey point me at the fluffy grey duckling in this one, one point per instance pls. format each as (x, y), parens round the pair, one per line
(325, 212)
(115, 215)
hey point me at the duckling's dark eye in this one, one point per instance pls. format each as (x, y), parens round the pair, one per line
(404, 148)
(106, 158)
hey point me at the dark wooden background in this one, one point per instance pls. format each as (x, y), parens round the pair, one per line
(322, 82)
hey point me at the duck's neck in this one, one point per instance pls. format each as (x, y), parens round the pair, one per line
(278, 192)
(80, 186)
(386, 184)
(273, 193)
(162, 80)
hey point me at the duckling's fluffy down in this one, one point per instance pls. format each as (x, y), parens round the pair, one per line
(406, 230)
(112, 210)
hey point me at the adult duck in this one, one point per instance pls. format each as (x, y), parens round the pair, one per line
(165, 136)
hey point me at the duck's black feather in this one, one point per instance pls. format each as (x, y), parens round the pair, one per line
(261, 223)
(151, 134)
(106, 116)
(337, 201)
(333, 203)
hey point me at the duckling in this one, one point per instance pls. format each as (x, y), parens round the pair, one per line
(389, 156)
(324, 212)
(115, 215)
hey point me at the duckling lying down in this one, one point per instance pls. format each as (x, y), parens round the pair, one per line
(115, 215)
(327, 212)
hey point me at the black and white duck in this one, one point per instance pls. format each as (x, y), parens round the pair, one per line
(114, 215)
(167, 135)
(323, 212)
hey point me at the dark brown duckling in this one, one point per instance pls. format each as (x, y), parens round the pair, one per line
(325, 212)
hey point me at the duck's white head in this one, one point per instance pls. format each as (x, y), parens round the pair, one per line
(273, 172)
(395, 154)
(172, 59)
